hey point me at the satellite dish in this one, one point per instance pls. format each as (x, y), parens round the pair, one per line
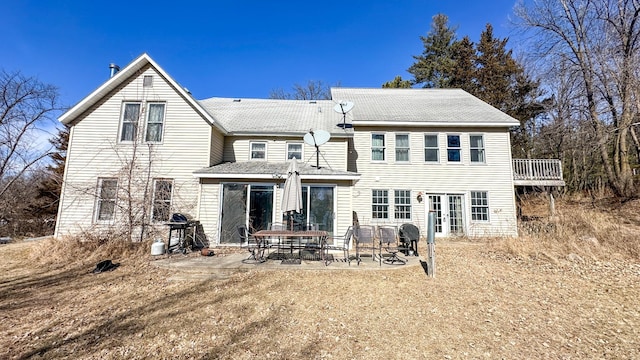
(343, 107)
(317, 138)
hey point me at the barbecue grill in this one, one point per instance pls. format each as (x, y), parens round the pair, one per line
(180, 224)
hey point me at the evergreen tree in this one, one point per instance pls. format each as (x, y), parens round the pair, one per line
(50, 187)
(433, 67)
(464, 65)
(397, 83)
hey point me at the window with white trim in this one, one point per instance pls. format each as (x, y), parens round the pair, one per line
(155, 122)
(377, 147)
(379, 204)
(402, 147)
(106, 199)
(453, 148)
(479, 206)
(431, 150)
(162, 194)
(258, 151)
(129, 121)
(402, 203)
(294, 150)
(147, 81)
(476, 148)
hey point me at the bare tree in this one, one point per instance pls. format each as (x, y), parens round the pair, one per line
(597, 43)
(27, 108)
(313, 90)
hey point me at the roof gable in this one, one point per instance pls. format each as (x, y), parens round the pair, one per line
(132, 70)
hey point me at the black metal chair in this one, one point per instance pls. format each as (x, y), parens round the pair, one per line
(365, 240)
(409, 235)
(254, 247)
(343, 246)
(389, 240)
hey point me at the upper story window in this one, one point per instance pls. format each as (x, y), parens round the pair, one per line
(377, 147)
(479, 206)
(258, 151)
(402, 201)
(453, 148)
(162, 191)
(431, 151)
(294, 150)
(476, 148)
(402, 147)
(155, 122)
(147, 81)
(129, 126)
(379, 204)
(106, 200)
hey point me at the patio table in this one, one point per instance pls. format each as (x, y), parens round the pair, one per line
(320, 236)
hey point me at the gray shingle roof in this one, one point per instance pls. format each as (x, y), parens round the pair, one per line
(273, 116)
(266, 170)
(420, 106)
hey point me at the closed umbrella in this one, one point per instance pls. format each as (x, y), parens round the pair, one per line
(292, 196)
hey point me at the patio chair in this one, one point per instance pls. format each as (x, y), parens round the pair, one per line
(344, 246)
(409, 234)
(365, 240)
(389, 241)
(255, 248)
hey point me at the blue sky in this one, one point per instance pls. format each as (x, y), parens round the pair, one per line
(240, 49)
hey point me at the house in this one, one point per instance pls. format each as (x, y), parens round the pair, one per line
(141, 147)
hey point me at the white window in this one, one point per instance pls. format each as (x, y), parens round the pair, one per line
(162, 191)
(147, 81)
(402, 147)
(294, 150)
(379, 204)
(479, 206)
(431, 152)
(106, 199)
(258, 151)
(377, 147)
(129, 126)
(476, 148)
(453, 148)
(155, 122)
(402, 201)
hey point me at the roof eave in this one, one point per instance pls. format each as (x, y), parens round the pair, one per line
(271, 177)
(433, 123)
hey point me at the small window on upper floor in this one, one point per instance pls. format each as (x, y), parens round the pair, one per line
(258, 151)
(377, 147)
(129, 121)
(431, 150)
(402, 147)
(147, 81)
(155, 122)
(453, 148)
(476, 148)
(294, 150)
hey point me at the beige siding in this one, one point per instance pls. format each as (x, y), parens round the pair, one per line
(442, 178)
(95, 151)
(217, 147)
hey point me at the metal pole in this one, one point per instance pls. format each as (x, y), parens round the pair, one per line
(431, 246)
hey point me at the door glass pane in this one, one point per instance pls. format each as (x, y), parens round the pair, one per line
(456, 225)
(234, 212)
(321, 208)
(435, 204)
(260, 207)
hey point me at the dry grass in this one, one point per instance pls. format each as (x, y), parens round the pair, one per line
(491, 299)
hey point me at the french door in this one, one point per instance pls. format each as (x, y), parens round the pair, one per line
(449, 210)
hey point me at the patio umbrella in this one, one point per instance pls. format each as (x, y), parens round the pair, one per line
(292, 195)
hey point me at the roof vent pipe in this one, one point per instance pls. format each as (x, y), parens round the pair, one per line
(114, 69)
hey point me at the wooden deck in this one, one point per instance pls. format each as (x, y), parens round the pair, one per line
(537, 172)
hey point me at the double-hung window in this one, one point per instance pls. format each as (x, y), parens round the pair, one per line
(162, 191)
(402, 201)
(402, 147)
(453, 148)
(377, 147)
(379, 204)
(106, 202)
(431, 152)
(155, 122)
(476, 148)
(258, 151)
(479, 206)
(294, 150)
(130, 116)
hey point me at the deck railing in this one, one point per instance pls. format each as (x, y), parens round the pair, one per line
(537, 169)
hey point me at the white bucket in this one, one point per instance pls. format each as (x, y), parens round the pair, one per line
(157, 248)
